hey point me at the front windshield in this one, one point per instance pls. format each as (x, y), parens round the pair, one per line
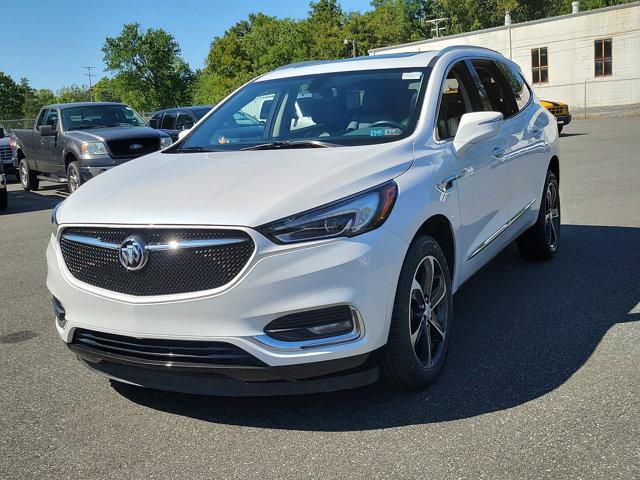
(100, 116)
(346, 108)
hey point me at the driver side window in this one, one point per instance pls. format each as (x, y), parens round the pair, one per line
(454, 102)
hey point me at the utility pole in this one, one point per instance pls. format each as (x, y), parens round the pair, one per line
(436, 25)
(89, 74)
(353, 43)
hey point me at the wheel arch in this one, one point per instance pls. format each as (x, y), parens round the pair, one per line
(440, 228)
(68, 158)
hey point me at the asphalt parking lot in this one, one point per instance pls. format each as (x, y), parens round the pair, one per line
(542, 379)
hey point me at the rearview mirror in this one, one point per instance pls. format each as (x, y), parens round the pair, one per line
(183, 133)
(476, 127)
(46, 130)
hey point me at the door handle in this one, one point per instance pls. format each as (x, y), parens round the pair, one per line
(41, 141)
(537, 133)
(447, 184)
(499, 152)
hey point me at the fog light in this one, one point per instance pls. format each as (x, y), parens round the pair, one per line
(59, 311)
(312, 324)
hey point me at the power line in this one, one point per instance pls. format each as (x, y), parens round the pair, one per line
(89, 74)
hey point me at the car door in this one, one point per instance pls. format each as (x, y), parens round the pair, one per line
(480, 174)
(50, 153)
(36, 143)
(526, 142)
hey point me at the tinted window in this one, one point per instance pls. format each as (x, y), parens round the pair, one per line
(52, 118)
(43, 113)
(155, 120)
(201, 112)
(454, 102)
(168, 120)
(346, 108)
(97, 116)
(518, 86)
(500, 95)
(184, 121)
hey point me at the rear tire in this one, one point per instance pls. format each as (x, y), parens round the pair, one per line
(540, 242)
(28, 177)
(74, 177)
(421, 321)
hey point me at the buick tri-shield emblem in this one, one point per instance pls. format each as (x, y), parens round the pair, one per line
(135, 146)
(132, 253)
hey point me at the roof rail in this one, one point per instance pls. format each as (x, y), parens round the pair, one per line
(464, 47)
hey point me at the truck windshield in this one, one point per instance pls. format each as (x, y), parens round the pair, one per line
(100, 116)
(343, 108)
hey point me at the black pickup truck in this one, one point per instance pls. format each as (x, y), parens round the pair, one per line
(73, 142)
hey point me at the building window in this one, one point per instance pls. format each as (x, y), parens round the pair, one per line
(603, 57)
(539, 65)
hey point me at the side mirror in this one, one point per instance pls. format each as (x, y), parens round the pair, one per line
(2, 134)
(46, 130)
(265, 110)
(183, 133)
(153, 123)
(476, 127)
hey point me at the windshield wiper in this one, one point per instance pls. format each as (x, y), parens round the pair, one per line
(290, 144)
(195, 148)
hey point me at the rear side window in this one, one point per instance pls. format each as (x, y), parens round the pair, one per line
(498, 90)
(184, 121)
(155, 120)
(518, 86)
(168, 120)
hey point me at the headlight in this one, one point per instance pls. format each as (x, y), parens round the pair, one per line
(54, 219)
(348, 217)
(93, 148)
(165, 142)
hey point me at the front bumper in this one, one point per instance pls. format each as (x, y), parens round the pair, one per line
(280, 279)
(563, 119)
(89, 172)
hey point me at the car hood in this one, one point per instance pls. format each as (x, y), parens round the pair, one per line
(245, 188)
(115, 133)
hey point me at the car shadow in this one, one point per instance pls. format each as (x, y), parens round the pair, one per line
(522, 329)
(562, 135)
(21, 201)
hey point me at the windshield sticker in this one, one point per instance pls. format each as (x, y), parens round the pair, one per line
(411, 75)
(384, 132)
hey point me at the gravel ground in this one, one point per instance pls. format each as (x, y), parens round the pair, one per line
(542, 379)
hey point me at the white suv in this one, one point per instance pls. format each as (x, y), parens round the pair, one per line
(308, 233)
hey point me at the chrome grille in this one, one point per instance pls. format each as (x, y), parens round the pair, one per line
(180, 260)
(5, 154)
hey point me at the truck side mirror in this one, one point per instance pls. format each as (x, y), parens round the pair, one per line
(2, 134)
(46, 130)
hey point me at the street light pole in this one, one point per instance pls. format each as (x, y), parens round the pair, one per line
(353, 43)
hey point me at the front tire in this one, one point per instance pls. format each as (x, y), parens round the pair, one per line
(540, 242)
(28, 178)
(74, 177)
(421, 321)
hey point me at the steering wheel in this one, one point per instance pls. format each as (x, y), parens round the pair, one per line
(388, 123)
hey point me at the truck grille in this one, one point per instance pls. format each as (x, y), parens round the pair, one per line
(123, 148)
(170, 353)
(200, 259)
(5, 154)
(559, 110)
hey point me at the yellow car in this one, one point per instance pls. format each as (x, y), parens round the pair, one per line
(560, 111)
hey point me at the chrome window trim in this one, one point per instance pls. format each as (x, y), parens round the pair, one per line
(501, 230)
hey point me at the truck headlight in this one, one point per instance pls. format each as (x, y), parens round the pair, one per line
(93, 148)
(348, 217)
(165, 142)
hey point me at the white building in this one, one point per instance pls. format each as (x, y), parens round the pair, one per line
(590, 60)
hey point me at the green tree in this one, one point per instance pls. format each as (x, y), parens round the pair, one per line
(107, 90)
(149, 72)
(11, 98)
(323, 31)
(34, 99)
(73, 93)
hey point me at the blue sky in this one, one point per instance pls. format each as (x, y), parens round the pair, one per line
(50, 41)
